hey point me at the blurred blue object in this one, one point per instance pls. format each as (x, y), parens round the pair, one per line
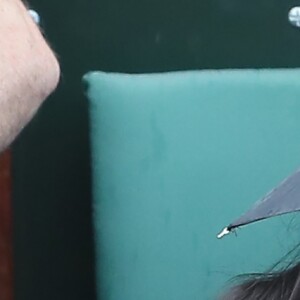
(35, 16)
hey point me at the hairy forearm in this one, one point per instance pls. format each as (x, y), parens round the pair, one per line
(29, 71)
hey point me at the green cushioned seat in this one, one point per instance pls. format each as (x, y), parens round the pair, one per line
(177, 156)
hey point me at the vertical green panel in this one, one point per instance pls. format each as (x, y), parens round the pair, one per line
(175, 158)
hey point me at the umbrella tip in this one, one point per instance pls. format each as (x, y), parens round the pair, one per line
(224, 232)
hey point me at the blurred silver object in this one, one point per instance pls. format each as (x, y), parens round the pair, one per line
(283, 199)
(294, 16)
(35, 16)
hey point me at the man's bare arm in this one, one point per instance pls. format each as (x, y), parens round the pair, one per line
(29, 71)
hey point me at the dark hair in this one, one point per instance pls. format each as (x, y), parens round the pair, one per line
(277, 285)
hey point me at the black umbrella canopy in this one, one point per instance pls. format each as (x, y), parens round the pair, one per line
(283, 199)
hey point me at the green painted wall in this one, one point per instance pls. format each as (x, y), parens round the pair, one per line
(175, 158)
(52, 197)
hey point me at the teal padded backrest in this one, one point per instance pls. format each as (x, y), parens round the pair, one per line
(177, 156)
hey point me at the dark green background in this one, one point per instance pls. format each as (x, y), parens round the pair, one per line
(53, 236)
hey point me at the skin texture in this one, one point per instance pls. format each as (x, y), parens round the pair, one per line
(29, 71)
